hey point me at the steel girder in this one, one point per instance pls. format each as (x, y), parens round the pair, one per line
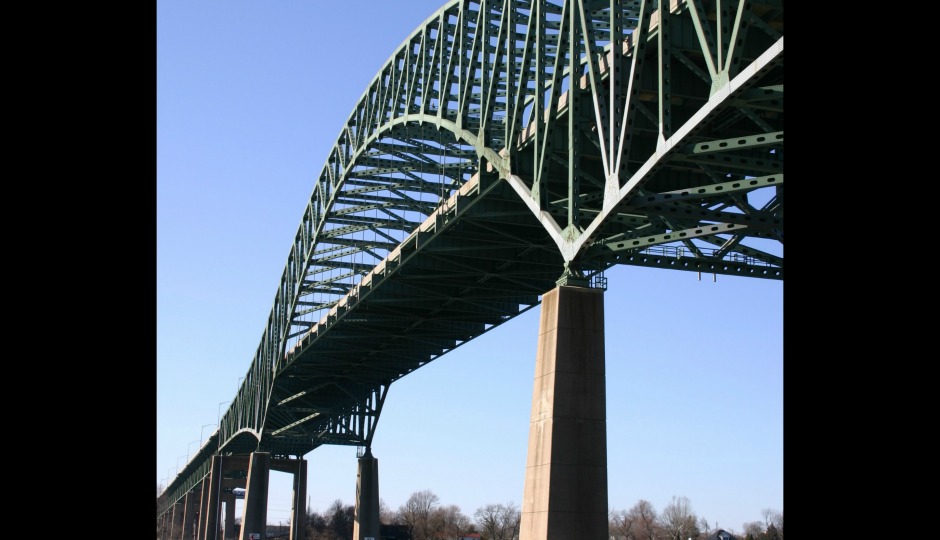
(504, 144)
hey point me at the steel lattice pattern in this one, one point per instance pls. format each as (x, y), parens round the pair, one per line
(483, 164)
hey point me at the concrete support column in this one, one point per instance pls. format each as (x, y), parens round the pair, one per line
(565, 493)
(298, 521)
(229, 500)
(203, 507)
(209, 526)
(190, 505)
(366, 522)
(176, 523)
(165, 526)
(255, 516)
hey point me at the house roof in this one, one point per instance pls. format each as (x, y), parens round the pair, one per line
(720, 534)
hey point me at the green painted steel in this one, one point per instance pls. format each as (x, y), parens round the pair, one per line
(508, 145)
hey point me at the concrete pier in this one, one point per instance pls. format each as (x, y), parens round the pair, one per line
(190, 514)
(203, 508)
(565, 494)
(209, 525)
(255, 516)
(176, 523)
(164, 526)
(229, 530)
(298, 522)
(366, 522)
(253, 474)
(298, 517)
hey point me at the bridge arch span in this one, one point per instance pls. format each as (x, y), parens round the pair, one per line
(623, 129)
(501, 145)
(243, 441)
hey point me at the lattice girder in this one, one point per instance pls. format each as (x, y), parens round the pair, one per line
(504, 142)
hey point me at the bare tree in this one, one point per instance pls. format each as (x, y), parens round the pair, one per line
(753, 530)
(621, 525)
(316, 526)
(340, 519)
(678, 521)
(448, 522)
(772, 533)
(644, 513)
(772, 518)
(416, 512)
(703, 524)
(637, 523)
(386, 515)
(499, 522)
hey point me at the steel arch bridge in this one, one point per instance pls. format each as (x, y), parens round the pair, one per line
(506, 147)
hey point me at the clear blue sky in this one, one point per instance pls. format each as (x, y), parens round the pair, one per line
(250, 98)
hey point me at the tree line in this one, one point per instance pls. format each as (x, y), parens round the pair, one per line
(678, 521)
(425, 518)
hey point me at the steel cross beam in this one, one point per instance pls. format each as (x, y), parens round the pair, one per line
(504, 144)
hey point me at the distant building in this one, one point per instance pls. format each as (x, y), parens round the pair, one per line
(720, 534)
(281, 530)
(394, 532)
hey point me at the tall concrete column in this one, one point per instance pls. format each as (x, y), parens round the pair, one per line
(366, 522)
(189, 514)
(209, 525)
(255, 516)
(176, 523)
(203, 508)
(165, 526)
(565, 495)
(229, 500)
(298, 521)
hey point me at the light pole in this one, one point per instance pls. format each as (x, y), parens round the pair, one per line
(178, 462)
(204, 427)
(219, 419)
(190, 445)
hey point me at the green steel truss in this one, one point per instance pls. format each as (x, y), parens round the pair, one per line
(505, 147)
